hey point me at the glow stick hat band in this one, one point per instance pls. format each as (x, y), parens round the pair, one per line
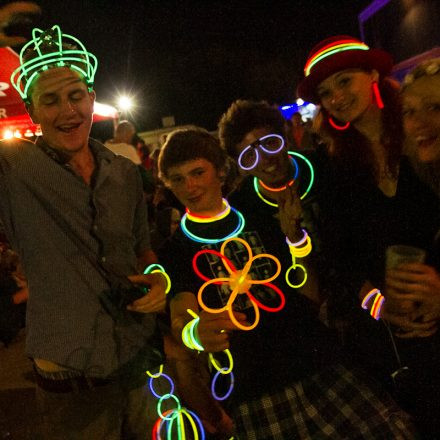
(52, 49)
(332, 49)
(339, 53)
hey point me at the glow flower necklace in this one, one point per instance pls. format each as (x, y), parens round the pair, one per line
(290, 183)
(204, 219)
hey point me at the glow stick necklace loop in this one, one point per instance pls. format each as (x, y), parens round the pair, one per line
(312, 178)
(200, 219)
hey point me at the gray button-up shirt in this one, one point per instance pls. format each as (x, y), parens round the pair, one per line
(40, 198)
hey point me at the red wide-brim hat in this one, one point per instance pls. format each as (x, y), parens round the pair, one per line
(349, 53)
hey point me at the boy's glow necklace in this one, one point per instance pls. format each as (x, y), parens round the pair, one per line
(312, 178)
(202, 219)
(282, 188)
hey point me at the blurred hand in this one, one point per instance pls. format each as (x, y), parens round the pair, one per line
(214, 329)
(290, 210)
(154, 301)
(419, 285)
(7, 12)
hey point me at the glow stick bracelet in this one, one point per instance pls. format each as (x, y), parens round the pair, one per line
(302, 252)
(189, 337)
(214, 380)
(376, 308)
(299, 242)
(218, 367)
(157, 268)
(153, 391)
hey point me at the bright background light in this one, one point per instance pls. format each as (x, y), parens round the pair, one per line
(125, 103)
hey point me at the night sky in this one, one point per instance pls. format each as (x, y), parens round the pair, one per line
(191, 59)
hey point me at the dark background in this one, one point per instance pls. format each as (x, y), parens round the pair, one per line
(191, 59)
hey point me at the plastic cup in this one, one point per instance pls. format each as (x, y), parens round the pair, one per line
(400, 254)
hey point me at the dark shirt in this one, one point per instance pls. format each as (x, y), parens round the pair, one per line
(43, 205)
(285, 346)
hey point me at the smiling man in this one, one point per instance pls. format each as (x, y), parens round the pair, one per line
(75, 213)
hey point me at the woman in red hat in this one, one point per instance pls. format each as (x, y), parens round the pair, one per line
(370, 198)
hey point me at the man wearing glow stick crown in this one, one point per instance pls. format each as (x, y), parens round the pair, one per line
(285, 362)
(75, 213)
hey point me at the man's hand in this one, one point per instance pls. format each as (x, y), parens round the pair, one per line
(7, 13)
(214, 329)
(154, 301)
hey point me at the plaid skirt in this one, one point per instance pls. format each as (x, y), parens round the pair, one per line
(334, 404)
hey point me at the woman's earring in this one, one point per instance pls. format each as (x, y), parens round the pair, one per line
(376, 93)
(336, 126)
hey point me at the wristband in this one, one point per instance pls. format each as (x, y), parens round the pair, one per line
(378, 301)
(157, 268)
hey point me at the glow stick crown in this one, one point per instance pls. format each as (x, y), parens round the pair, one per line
(49, 49)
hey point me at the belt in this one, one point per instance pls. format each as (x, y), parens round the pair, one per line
(71, 384)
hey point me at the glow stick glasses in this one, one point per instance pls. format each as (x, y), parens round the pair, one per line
(270, 144)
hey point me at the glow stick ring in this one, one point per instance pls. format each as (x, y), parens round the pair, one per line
(267, 308)
(214, 381)
(367, 298)
(159, 406)
(156, 375)
(153, 391)
(257, 158)
(191, 236)
(218, 367)
(294, 267)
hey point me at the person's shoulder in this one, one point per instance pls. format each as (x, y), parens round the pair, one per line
(16, 150)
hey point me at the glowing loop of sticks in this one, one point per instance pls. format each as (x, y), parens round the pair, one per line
(215, 364)
(239, 282)
(194, 237)
(155, 375)
(303, 195)
(157, 268)
(189, 333)
(295, 267)
(167, 418)
(299, 249)
(153, 391)
(168, 424)
(209, 219)
(378, 302)
(214, 381)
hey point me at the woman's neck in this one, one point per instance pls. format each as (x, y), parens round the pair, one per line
(370, 124)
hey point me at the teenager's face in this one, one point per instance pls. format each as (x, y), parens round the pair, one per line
(272, 169)
(421, 116)
(347, 95)
(198, 186)
(63, 106)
